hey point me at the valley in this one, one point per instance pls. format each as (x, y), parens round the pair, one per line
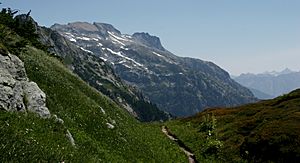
(85, 92)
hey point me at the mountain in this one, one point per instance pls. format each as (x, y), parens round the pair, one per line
(49, 114)
(100, 75)
(179, 85)
(271, 83)
(275, 73)
(267, 131)
(260, 95)
(78, 124)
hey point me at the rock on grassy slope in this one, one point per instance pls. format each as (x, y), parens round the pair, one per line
(267, 131)
(17, 93)
(102, 131)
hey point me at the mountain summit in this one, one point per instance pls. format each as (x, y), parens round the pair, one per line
(148, 40)
(181, 86)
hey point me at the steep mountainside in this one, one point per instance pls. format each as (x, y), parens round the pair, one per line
(260, 95)
(268, 131)
(271, 83)
(102, 131)
(181, 86)
(101, 76)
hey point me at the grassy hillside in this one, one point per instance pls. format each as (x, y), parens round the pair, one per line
(102, 131)
(87, 115)
(261, 132)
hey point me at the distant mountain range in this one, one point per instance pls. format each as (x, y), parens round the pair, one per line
(270, 84)
(60, 102)
(178, 85)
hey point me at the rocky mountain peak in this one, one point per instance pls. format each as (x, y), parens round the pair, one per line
(104, 28)
(85, 26)
(76, 26)
(169, 81)
(148, 40)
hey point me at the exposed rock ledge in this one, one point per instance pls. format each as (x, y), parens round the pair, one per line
(17, 93)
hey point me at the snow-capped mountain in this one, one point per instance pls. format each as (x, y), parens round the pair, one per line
(97, 73)
(179, 85)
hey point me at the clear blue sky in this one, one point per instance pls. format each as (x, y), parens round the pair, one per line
(238, 35)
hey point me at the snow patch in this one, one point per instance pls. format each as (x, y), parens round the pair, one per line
(72, 39)
(99, 83)
(116, 53)
(99, 44)
(127, 58)
(115, 41)
(128, 36)
(123, 61)
(84, 38)
(158, 54)
(70, 34)
(127, 66)
(122, 47)
(165, 58)
(86, 50)
(117, 37)
(103, 59)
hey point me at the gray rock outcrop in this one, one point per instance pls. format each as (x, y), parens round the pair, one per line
(17, 93)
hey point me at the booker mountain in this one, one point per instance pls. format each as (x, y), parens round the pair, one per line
(179, 85)
(100, 75)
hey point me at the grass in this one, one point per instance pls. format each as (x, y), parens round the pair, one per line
(79, 105)
(28, 138)
(268, 131)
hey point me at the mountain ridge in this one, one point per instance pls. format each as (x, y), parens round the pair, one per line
(101, 130)
(162, 76)
(272, 83)
(98, 74)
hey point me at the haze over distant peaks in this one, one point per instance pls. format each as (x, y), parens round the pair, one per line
(270, 84)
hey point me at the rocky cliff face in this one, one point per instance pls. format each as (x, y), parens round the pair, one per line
(17, 93)
(148, 40)
(181, 86)
(98, 73)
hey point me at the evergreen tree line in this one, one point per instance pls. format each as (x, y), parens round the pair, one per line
(21, 25)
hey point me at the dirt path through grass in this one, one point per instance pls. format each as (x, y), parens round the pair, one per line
(185, 149)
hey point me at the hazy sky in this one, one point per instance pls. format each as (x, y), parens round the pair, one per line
(238, 35)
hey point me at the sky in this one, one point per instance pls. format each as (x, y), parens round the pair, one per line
(238, 35)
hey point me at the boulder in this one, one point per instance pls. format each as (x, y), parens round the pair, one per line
(17, 93)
